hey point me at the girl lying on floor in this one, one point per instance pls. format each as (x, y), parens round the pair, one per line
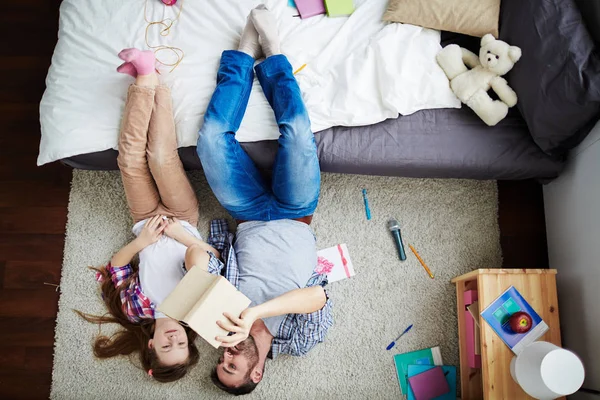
(164, 208)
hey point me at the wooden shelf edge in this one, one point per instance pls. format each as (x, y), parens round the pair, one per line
(502, 271)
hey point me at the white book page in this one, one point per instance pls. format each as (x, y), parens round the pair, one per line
(330, 261)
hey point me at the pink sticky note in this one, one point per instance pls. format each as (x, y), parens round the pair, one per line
(310, 8)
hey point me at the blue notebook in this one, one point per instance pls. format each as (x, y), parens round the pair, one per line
(449, 371)
(498, 314)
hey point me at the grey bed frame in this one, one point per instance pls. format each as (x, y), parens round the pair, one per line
(444, 143)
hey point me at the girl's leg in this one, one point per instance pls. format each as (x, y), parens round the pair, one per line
(232, 175)
(176, 193)
(140, 189)
(296, 173)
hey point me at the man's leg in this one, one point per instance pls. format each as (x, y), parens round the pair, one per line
(176, 193)
(296, 172)
(232, 175)
(140, 189)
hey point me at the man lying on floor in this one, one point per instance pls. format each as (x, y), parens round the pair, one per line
(275, 248)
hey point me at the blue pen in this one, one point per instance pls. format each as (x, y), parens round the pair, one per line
(391, 345)
(367, 209)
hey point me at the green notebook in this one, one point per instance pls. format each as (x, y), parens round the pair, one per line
(339, 8)
(431, 356)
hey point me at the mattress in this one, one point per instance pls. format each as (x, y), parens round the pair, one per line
(359, 70)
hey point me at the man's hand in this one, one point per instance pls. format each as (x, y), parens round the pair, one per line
(240, 326)
(152, 231)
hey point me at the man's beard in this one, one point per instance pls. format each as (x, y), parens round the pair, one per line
(249, 350)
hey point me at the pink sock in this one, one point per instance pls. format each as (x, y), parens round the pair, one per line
(143, 61)
(127, 68)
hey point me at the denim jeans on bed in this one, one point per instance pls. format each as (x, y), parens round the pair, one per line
(232, 175)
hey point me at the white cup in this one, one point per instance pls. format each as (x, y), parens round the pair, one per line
(546, 371)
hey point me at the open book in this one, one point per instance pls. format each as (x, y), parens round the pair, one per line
(200, 299)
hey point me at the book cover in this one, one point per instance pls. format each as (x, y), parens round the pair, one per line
(429, 384)
(339, 8)
(200, 299)
(498, 313)
(335, 262)
(431, 356)
(449, 373)
(310, 8)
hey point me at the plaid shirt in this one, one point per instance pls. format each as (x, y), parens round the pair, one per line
(298, 333)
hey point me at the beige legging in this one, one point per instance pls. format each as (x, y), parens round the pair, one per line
(153, 176)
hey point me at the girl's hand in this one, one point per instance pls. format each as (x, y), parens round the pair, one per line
(152, 231)
(240, 326)
(175, 230)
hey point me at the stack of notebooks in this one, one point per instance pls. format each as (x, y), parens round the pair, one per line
(333, 8)
(423, 377)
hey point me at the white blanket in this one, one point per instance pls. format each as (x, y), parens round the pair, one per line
(359, 70)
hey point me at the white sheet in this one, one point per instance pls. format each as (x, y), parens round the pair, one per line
(359, 70)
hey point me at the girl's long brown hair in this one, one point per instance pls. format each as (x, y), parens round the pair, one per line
(135, 335)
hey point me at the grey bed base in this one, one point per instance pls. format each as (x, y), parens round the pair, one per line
(444, 143)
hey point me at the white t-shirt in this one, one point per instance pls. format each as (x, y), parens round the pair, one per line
(162, 265)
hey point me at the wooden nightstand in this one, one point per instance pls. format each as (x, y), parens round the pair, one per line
(493, 380)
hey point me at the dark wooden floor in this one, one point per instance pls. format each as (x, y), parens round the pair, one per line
(522, 224)
(33, 207)
(33, 203)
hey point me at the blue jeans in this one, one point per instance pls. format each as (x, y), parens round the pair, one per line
(232, 175)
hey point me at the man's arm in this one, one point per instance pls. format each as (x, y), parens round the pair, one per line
(297, 301)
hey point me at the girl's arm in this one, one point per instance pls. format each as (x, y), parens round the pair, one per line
(126, 254)
(196, 256)
(175, 230)
(151, 232)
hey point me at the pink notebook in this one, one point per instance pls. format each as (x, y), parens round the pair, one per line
(310, 8)
(429, 384)
(472, 332)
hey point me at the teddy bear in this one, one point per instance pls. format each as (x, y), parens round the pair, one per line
(495, 59)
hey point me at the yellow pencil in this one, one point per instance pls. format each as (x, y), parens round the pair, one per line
(299, 69)
(421, 261)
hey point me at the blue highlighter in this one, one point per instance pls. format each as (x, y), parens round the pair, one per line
(366, 200)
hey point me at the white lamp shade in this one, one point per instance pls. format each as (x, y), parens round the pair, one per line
(546, 371)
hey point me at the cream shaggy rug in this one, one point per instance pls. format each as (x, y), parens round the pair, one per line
(452, 223)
